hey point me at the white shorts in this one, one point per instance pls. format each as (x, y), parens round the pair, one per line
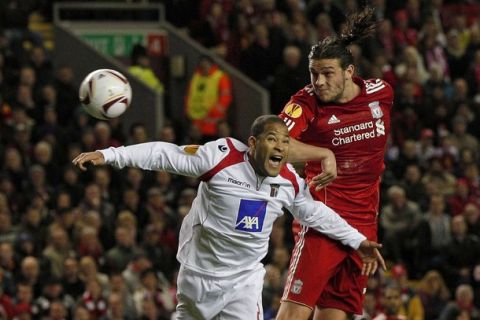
(204, 297)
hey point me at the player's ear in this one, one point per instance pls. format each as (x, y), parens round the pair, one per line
(349, 72)
(252, 141)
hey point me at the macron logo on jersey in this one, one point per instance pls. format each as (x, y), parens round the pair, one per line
(251, 215)
(333, 119)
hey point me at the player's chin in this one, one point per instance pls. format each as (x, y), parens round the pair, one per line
(273, 171)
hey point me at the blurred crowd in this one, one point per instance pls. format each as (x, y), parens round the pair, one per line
(101, 244)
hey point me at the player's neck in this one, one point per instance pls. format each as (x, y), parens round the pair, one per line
(351, 91)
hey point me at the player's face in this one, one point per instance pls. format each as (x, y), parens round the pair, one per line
(269, 151)
(329, 79)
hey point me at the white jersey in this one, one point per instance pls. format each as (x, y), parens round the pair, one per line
(228, 227)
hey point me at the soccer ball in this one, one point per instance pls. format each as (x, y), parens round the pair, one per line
(105, 94)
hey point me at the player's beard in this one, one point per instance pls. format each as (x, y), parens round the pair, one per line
(338, 89)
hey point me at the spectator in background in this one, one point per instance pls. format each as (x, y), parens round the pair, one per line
(408, 156)
(432, 295)
(425, 147)
(23, 300)
(472, 175)
(7, 306)
(142, 70)
(399, 221)
(434, 55)
(67, 95)
(462, 307)
(52, 291)
(208, 97)
(460, 138)
(118, 286)
(323, 26)
(88, 244)
(103, 136)
(259, 60)
(168, 133)
(434, 233)
(71, 282)
(57, 250)
(155, 286)
(299, 38)
(327, 7)
(272, 288)
(461, 254)
(93, 299)
(160, 256)
(456, 55)
(116, 308)
(414, 188)
(138, 133)
(393, 308)
(118, 257)
(92, 200)
(364, 66)
(89, 272)
(288, 78)
(403, 34)
(400, 279)
(461, 197)
(41, 63)
(437, 174)
(81, 313)
(132, 274)
(471, 212)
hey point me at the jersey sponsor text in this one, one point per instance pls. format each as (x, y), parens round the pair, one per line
(349, 134)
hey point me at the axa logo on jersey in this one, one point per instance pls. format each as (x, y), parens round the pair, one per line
(251, 215)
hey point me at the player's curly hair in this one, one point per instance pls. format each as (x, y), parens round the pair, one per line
(359, 25)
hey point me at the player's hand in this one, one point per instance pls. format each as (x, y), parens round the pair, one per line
(371, 257)
(88, 158)
(329, 172)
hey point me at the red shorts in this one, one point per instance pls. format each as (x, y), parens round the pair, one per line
(326, 273)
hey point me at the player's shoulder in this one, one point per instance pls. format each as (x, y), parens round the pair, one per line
(303, 100)
(377, 87)
(304, 95)
(289, 174)
(225, 145)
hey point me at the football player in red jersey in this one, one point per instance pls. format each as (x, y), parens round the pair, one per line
(351, 117)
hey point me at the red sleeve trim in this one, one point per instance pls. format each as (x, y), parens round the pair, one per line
(290, 176)
(234, 156)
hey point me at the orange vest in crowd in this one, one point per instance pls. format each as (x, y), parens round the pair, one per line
(208, 98)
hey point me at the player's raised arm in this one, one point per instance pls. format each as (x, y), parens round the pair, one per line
(192, 160)
(302, 152)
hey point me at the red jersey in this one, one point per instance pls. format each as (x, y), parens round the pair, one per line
(356, 132)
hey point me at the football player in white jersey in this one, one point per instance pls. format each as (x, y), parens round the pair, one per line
(225, 235)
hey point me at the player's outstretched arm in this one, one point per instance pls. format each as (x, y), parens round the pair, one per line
(302, 152)
(83, 159)
(371, 257)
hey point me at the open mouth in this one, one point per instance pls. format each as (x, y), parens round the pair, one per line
(275, 160)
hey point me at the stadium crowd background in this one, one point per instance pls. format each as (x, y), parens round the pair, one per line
(101, 244)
